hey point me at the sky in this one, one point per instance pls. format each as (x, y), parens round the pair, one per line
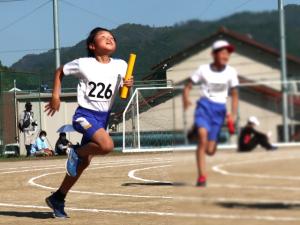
(26, 25)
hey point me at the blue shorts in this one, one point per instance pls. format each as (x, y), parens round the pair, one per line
(210, 115)
(87, 122)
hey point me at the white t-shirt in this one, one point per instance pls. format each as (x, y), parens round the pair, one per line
(215, 85)
(98, 82)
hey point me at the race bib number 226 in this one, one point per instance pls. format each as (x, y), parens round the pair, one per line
(100, 91)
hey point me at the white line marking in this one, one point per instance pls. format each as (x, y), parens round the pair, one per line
(171, 214)
(17, 169)
(219, 169)
(132, 175)
(192, 215)
(44, 168)
(256, 187)
(33, 179)
(25, 167)
(30, 170)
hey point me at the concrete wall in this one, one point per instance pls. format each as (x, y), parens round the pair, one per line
(247, 67)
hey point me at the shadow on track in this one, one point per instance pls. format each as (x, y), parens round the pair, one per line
(34, 215)
(259, 205)
(176, 184)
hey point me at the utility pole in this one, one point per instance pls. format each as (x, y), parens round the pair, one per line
(284, 87)
(56, 34)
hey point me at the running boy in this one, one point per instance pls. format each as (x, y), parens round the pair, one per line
(217, 80)
(100, 78)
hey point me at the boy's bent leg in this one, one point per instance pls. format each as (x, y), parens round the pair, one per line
(69, 181)
(200, 156)
(251, 145)
(101, 144)
(211, 148)
(263, 140)
(56, 201)
(213, 136)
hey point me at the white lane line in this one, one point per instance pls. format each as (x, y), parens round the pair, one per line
(166, 214)
(256, 187)
(132, 175)
(44, 168)
(39, 168)
(30, 170)
(26, 167)
(32, 181)
(220, 169)
(212, 216)
(17, 169)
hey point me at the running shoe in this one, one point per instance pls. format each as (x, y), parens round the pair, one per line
(201, 182)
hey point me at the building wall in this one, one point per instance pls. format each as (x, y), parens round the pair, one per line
(250, 64)
(250, 68)
(8, 118)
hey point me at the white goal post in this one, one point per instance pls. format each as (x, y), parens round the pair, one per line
(131, 119)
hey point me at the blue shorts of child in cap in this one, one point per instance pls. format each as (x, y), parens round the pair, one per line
(210, 115)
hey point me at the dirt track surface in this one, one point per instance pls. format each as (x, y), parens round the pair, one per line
(254, 188)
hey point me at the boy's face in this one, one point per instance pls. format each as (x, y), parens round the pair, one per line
(221, 57)
(104, 43)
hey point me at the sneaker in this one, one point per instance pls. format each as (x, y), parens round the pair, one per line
(57, 206)
(72, 162)
(201, 182)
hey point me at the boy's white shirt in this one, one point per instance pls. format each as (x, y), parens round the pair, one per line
(215, 85)
(103, 78)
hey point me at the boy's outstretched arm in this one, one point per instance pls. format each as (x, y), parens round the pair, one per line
(234, 103)
(186, 93)
(54, 103)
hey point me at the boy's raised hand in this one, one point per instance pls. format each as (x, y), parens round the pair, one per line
(52, 106)
(128, 83)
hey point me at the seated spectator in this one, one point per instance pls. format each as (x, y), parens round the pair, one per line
(62, 144)
(250, 138)
(40, 146)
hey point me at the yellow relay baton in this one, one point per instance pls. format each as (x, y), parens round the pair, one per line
(124, 89)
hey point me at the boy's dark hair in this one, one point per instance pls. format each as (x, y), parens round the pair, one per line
(43, 133)
(91, 39)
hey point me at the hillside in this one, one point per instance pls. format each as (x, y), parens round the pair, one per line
(154, 44)
(2, 67)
